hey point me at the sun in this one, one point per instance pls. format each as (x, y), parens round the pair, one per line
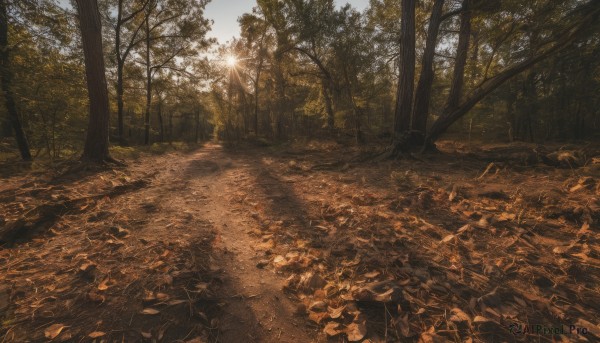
(231, 61)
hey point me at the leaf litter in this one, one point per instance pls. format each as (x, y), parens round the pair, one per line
(437, 251)
(442, 249)
(82, 262)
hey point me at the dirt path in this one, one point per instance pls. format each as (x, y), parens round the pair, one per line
(200, 246)
(255, 308)
(169, 260)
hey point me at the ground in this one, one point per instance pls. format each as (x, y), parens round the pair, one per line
(303, 243)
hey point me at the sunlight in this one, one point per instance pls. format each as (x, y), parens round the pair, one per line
(231, 61)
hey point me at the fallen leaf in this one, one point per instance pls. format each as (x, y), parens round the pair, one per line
(96, 334)
(448, 238)
(150, 311)
(464, 228)
(103, 285)
(317, 317)
(506, 217)
(335, 313)
(480, 319)
(356, 331)
(53, 330)
(459, 316)
(318, 306)
(402, 322)
(372, 274)
(176, 302)
(331, 329)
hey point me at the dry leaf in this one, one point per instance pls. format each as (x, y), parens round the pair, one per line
(53, 330)
(150, 311)
(356, 331)
(318, 317)
(506, 217)
(96, 334)
(176, 302)
(372, 274)
(103, 285)
(318, 306)
(402, 322)
(459, 316)
(335, 313)
(480, 319)
(448, 238)
(464, 228)
(331, 329)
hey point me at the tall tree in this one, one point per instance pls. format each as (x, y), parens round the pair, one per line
(122, 52)
(96, 143)
(458, 78)
(173, 31)
(404, 93)
(7, 75)
(423, 91)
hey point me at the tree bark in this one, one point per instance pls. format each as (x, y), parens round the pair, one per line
(406, 80)
(462, 50)
(256, 91)
(148, 84)
(96, 143)
(423, 92)
(328, 104)
(6, 74)
(161, 126)
(120, 67)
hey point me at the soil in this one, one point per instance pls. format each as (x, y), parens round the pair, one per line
(302, 243)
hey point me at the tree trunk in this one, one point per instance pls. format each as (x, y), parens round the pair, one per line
(462, 50)
(121, 126)
(120, 66)
(197, 122)
(328, 105)
(280, 94)
(423, 92)
(96, 143)
(406, 80)
(148, 84)
(161, 137)
(6, 74)
(257, 83)
(256, 90)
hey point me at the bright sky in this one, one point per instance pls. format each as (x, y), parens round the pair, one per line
(226, 12)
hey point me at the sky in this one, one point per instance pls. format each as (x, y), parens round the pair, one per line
(226, 12)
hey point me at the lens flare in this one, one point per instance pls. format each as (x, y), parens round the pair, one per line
(231, 61)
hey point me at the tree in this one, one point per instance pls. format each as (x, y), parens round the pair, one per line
(173, 30)
(423, 91)
(580, 20)
(122, 52)
(404, 94)
(6, 74)
(96, 143)
(254, 31)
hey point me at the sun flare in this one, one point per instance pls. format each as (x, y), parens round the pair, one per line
(231, 61)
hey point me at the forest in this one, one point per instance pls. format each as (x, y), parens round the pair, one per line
(410, 171)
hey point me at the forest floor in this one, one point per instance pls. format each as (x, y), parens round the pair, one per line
(303, 243)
